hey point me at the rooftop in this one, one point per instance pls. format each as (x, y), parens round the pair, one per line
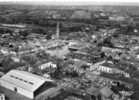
(23, 79)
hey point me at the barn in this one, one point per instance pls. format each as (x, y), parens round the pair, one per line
(25, 83)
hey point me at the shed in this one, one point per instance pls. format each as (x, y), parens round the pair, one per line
(23, 82)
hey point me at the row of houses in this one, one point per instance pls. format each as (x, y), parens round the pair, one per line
(108, 69)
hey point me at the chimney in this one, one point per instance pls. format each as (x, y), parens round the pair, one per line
(57, 31)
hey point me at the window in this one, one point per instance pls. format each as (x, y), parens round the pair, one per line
(25, 81)
(31, 83)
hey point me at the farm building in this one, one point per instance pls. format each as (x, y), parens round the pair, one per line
(25, 83)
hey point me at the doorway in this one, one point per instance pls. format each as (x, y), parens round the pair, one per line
(15, 89)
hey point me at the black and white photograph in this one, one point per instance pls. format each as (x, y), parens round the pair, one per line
(69, 50)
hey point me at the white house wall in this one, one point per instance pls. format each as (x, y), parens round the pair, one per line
(21, 91)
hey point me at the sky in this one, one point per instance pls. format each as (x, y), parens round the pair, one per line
(76, 2)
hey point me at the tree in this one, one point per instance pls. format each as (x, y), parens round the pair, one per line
(30, 59)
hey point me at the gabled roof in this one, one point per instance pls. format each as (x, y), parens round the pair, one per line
(24, 80)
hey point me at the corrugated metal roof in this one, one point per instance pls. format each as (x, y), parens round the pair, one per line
(25, 80)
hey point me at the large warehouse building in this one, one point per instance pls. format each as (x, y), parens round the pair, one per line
(25, 83)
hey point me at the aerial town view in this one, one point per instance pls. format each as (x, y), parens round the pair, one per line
(59, 52)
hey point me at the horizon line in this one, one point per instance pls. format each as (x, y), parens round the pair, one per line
(71, 3)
